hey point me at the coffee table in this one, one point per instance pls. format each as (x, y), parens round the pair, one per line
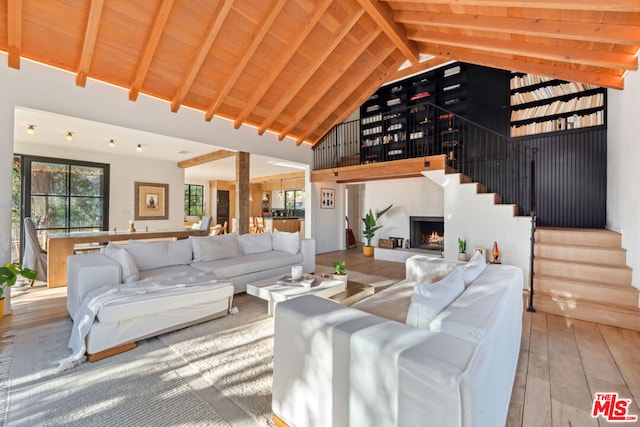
(273, 293)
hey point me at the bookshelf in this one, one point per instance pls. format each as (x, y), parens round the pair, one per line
(542, 105)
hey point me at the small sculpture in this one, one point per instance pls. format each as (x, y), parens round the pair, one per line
(496, 253)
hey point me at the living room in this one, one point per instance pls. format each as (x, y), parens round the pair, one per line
(38, 87)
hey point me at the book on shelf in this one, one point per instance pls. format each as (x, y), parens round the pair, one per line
(452, 71)
(307, 280)
(420, 95)
(394, 101)
(452, 87)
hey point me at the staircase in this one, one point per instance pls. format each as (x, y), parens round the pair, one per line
(581, 274)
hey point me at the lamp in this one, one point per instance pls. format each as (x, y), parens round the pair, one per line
(139, 148)
(69, 136)
(112, 143)
(31, 129)
(280, 193)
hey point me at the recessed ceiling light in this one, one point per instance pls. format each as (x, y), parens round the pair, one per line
(31, 129)
(139, 148)
(69, 136)
(112, 143)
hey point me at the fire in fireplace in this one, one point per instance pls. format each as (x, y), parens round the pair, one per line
(427, 232)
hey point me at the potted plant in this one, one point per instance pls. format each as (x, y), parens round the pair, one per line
(340, 271)
(370, 228)
(8, 275)
(462, 250)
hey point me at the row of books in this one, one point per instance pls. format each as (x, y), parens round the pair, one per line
(518, 82)
(371, 119)
(371, 131)
(547, 92)
(571, 122)
(559, 107)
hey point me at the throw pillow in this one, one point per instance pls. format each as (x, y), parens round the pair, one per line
(197, 240)
(430, 300)
(472, 269)
(180, 251)
(120, 255)
(427, 269)
(255, 243)
(286, 242)
(216, 248)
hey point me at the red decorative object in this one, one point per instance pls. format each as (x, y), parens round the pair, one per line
(496, 253)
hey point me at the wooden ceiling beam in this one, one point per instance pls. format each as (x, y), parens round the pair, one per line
(206, 158)
(499, 61)
(274, 71)
(258, 36)
(328, 83)
(362, 90)
(278, 177)
(406, 168)
(89, 45)
(586, 5)
(203, 50)
(596, 58)
(382, 15)
(583, 31)
(14, 32)
(420, 67)
(310, 70)
(150, 48)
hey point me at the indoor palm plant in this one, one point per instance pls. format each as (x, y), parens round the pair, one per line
(370, 228)
(8, 275)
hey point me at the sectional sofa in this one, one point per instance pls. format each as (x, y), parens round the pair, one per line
(417, 353)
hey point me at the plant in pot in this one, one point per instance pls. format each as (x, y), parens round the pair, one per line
(462, 250)
(340, 271)
(8, 275)
(370, 228)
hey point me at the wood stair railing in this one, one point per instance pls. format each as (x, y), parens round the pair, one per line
(582, 274)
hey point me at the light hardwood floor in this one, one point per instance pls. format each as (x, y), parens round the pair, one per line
(562, 364)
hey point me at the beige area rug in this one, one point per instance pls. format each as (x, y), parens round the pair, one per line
(217, 373)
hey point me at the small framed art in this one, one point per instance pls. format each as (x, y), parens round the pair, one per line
(327, 198)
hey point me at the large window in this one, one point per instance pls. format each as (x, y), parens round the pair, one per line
(65, 195)
(193, 199)
(294, 199)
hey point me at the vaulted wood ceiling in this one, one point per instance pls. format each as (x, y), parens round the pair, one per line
(297, 67)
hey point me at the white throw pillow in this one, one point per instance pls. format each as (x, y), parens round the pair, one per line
(215, 248)
(286, 242)
(197, 240)
(120, 255)
(472, 269)
(430, 300)
(255, 243)
(150, 255)
(427, 269)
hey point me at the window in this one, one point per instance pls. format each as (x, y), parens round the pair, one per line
(193, 199)
(294, 199)
(65, 195)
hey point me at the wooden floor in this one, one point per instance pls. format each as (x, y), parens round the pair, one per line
(562, 362)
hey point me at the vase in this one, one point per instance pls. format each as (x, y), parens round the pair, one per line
(340, 277)
(462, 256)
(367, 250)
(1, 307)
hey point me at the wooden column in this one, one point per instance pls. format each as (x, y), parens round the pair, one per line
(243, 187)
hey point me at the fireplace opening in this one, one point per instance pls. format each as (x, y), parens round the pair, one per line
(427, 232)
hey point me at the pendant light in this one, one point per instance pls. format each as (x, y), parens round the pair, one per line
(280, 193)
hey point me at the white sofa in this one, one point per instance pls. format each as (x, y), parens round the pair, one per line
(344, 366)
(207, 272)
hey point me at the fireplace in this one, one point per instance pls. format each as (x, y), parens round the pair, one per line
(427, 232)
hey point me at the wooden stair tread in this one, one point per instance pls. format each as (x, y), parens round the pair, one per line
(585, 282)
(573, 245)
(590, 264)
(577, 230)
(590, 303)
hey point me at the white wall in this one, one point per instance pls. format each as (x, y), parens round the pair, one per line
(623, 158)
(328, 224)
(124, 171)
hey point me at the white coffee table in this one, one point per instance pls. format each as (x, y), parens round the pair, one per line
(273, 293)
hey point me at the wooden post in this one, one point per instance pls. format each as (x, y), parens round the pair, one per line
(243, 192)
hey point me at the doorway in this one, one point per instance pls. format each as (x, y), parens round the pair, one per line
(354, 206)
(222, 206)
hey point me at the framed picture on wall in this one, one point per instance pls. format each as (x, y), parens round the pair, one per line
(327, 198)
(151, 200)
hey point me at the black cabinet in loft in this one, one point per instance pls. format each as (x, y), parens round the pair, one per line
(400, 120)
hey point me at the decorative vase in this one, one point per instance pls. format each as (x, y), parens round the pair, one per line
(367, 250)
(340, 277)
(1, 307)
(462, 256)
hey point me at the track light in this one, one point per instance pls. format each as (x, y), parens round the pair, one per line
(69, 136)
(112, 143)
(31, 129)
(139, 148)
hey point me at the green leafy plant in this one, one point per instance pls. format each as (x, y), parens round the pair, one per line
(370, 226)
(9, 274)
(339, 267)
(462, 246)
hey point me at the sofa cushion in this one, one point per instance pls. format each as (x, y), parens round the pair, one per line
(428, 269)
(148, 255)
(472, 269)
(231, 238)
(215, 248)
(430, 300)
(255, 243)
(120, 255)
(286, 242)
(168, 271)
(232, 267)
(391, 303)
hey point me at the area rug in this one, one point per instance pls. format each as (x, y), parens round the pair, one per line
(217, 373)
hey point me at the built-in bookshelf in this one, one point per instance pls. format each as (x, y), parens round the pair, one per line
(541, 105)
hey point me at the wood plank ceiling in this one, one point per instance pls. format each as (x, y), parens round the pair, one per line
(298, 67)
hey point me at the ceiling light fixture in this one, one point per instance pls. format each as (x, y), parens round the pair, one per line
(31, 129)
(69, 136)
(139, 148)
(112, 143)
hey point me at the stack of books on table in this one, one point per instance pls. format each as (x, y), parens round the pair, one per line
(306, 281)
